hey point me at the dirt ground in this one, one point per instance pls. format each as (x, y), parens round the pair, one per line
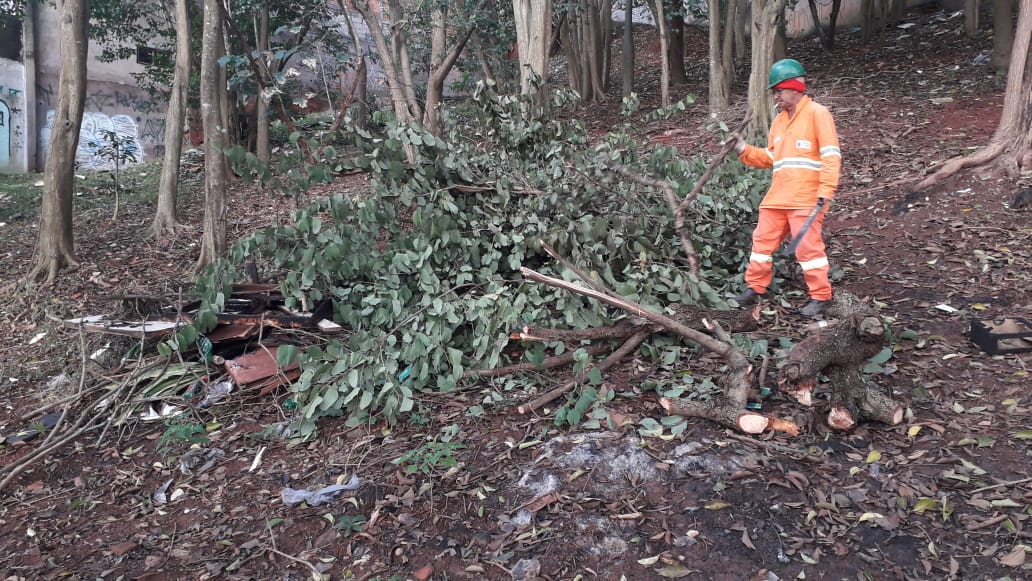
(945, 495)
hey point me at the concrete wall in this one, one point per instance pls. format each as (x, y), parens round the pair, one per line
(13, 130)
(113, 102)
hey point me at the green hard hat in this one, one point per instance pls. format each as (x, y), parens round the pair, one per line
(785, 69)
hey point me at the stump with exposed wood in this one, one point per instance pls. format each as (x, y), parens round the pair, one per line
(840, 351)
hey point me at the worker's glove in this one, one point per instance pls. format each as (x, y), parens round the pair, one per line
(734, 139)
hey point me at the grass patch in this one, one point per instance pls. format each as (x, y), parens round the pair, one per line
(19, 197)
(138, 184)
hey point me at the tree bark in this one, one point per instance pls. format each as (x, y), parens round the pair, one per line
(442, 60)
(1003, 34)
(664, 69)
(767, 18)
(675, 47)
(627, 54)
(262, 147)
(393, 69)
(840, 352)
(213, 237)
(1009, 152)
(533, 36)
(56, 249)
(721, 32)
(165, 221)
(971, 18)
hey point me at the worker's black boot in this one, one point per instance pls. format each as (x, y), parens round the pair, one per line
(747, 297)
(814, 308)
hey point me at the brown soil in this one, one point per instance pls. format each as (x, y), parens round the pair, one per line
(879, 503)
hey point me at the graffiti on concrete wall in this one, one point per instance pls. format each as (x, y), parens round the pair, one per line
(95, 135)
(105, 99)
(5, 135)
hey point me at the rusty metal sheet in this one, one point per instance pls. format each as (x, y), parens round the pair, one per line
(259, 370)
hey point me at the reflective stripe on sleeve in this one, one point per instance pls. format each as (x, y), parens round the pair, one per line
(761, 258)
(815, 263)
(830, 150)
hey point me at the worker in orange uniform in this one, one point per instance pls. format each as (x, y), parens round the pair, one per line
(803, 150)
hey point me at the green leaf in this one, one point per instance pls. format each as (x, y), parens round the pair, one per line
(285, 355)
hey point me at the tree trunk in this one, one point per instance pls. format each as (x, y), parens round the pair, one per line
(213, 237)
(767, 18)
(56, 248)
(1003, 34)
(442, 60)
(741, 22)
(971, 18)
(627, 54)
(1009, 152)
(392, 68)
(399, 47)
(818, 28)
(262, 147)
(533, 36)
(168, 188)
(664, 69)
(721, 64)
(675, 48)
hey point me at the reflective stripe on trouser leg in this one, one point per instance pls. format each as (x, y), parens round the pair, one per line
(771, 228)
(811, 255)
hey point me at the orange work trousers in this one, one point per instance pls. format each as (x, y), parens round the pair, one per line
(771, 229)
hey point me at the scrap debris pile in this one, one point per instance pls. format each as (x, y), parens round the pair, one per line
(240, 355)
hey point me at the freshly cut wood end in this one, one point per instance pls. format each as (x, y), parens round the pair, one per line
(666, 403)
(786, 426)
(753, 423)
(840, 419)
(897, 415)
(802, 394)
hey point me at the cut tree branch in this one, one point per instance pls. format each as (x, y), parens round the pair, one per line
(626, 349)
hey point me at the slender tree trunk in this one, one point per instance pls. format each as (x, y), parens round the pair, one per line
(482, 57)
(168, 188)
(213, 237)
(971, 18)
(741, 22)
(1003, 34)
(361, 100)
(628, 49)
(399, 47)
(391, 68)
(767, 17)
(722, 14)
(533, 36)
(664, 75)
(442, 61)
(675, 48)
(262, 147)
(56, 249)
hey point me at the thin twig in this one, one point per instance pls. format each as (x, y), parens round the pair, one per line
(271, 547)
(1002, 485)
(626, 349)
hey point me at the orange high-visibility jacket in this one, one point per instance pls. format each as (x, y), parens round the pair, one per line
(804, 152)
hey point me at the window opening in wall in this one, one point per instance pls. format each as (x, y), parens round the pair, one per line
(11, 37)
(146, 55)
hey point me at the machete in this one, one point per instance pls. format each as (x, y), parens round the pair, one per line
(791, 248)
